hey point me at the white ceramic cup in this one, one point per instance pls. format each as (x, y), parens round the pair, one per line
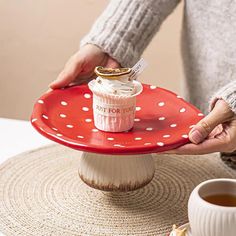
(207, 219)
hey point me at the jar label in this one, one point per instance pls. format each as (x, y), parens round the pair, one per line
(113, 110)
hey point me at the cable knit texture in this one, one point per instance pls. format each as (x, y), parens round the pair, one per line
(126, 27)
(227, 93)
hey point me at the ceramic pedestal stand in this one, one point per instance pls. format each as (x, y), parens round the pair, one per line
(116, 173)
(115, 161)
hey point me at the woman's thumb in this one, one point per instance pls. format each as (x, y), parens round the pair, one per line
(220, 114)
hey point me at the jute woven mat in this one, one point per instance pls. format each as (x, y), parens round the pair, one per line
(41, 194)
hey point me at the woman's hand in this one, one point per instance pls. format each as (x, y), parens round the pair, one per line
(214, 133)
(80, 67)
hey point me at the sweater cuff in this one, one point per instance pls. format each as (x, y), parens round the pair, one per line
(228, 94)
(126, 27)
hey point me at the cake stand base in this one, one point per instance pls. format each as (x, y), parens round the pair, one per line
(116, 172)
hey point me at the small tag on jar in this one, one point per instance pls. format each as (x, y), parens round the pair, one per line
(138, 68)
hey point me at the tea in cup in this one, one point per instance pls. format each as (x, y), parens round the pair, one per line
(212, 208)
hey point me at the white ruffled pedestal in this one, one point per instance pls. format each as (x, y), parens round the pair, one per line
(116, 172)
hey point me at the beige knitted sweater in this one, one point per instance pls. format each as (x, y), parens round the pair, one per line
(126, 27)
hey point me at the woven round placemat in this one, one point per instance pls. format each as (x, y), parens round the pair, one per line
(42, 194)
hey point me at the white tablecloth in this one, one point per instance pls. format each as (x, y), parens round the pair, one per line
(18, 136)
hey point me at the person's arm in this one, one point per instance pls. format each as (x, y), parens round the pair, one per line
(126, 27)
(117, 38)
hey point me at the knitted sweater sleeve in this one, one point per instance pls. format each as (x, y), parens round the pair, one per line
(126, 27)
(227, 93)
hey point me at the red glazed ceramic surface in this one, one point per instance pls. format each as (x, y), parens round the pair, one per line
(162, 122)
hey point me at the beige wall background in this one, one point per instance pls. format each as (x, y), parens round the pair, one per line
(37, 37)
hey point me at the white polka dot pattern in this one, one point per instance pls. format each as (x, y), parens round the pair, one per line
(63, 103)
(138, 138)
(161, 144)
(163, 120)
(85, 108)
(110, 139)
(87, 95)
(45, 117)
(161, 104)
(149, 129)
(153, 87)
(118, 145)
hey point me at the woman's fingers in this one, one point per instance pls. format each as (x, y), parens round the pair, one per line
(81, 66)
(221, 142)
(222, 138)
(220, 114)
(217, 130)
(69, 73)
(207, 146)
(112, 63)
(83, 79)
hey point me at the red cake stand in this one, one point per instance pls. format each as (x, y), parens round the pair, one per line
(115, 161)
